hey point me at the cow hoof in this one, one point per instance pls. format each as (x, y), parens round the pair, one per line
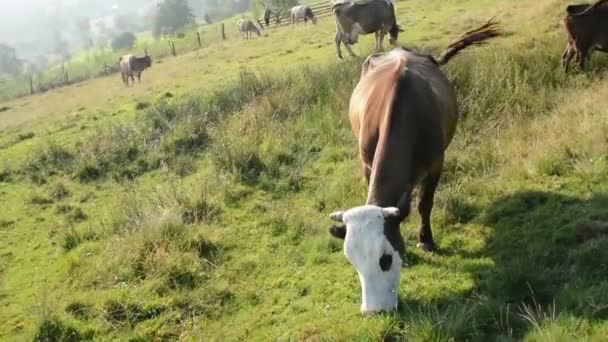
(427, 247)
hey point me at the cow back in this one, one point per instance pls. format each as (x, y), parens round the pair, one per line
(371, 15)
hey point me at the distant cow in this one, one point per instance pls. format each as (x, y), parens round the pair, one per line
(246, 27)
(131, 66)
(267, 16)
(302, 13)
(404, 113)
(363, 17)
(587, 28)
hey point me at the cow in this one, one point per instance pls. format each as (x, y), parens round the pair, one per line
(246, 27)
(587, 28)
(131, 66)
(267, 16)
(364, 17)
(302, 13)
(404, 113)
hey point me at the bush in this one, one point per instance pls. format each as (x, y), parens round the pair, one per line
(123, 41)
(172, 15)
(55, 330)
(59, 191)
(47, 162)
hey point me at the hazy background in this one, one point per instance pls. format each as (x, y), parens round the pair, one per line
(38, 27)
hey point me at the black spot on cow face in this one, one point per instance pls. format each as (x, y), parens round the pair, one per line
(338, 232)
(385, 262)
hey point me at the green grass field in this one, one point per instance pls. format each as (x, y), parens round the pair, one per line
(195, 206)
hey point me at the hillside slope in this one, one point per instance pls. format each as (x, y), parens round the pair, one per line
(195, 206)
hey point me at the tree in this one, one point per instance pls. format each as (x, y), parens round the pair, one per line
(172, 15)
(9, 62)
(284, 6)
(124, 40)
(254, 8)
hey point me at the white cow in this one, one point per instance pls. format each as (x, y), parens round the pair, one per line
(246, 27)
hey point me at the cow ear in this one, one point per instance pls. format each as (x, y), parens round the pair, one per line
(369, 63)
(338, 232)
(337, 216)
(391, 212)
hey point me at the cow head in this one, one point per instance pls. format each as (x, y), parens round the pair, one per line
(394, 34)
(375, 257)
(147, 59)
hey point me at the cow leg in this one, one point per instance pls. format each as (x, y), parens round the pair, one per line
(377, 47)
(379, 41)
(350, 51)
(425, 206)
(582, 58)
(132, 79)
(567, 57)
(338, 43)
(382, 35)
(139, 77)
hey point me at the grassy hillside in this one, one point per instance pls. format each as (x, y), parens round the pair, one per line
(194, 206)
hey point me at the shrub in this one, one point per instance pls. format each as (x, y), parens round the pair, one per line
(47, 162)
(59, 191)
(54, 330)
(123, 41)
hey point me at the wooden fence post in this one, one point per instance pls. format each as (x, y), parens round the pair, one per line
(198, 39)
(172, 48)
(223, 32)
(31, 85)
(64, 74)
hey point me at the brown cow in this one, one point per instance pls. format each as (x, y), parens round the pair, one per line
(404, 113)
(587, 28)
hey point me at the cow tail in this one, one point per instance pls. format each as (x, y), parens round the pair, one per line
(477, 36)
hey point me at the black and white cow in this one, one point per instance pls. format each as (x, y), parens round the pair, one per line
(302, 13)
(131, 66)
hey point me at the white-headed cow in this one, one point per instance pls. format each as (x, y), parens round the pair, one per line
(404, 114)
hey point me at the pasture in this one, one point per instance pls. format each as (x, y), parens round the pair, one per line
(194, 206)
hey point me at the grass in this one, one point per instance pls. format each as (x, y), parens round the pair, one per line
(202, 214)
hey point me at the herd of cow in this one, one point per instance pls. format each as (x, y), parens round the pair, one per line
(404, 113)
